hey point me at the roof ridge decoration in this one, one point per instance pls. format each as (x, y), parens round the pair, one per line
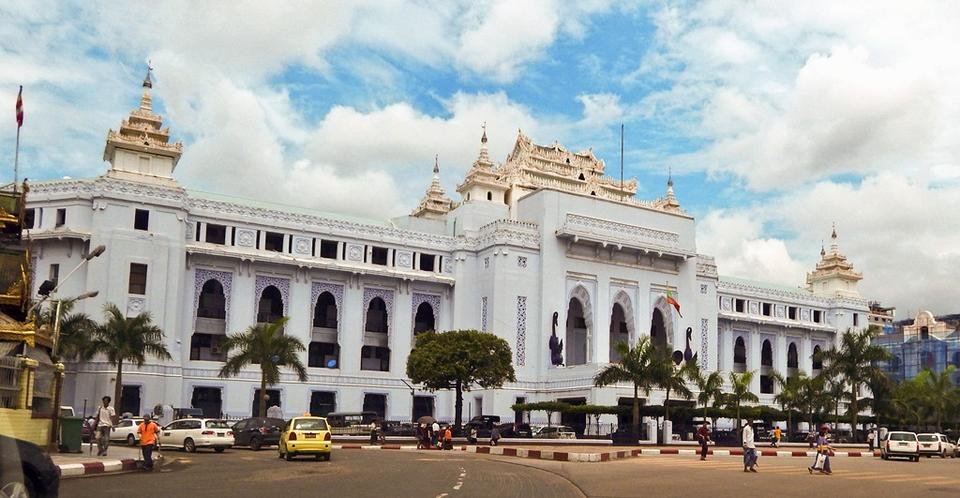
(834, 273)
(142, 131)
(530, 166)
(435, 203)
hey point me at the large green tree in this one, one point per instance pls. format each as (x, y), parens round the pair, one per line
(740, 393)
(789, 395)
(76, 329)
(634, 367)
(939, 393)
(123, 339)
(459, 360)
(855, 362)
(709, 387)
(264, 344)
(670, 377)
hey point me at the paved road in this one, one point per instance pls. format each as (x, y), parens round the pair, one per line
(387, 474)
(351, 473)
(721, 477)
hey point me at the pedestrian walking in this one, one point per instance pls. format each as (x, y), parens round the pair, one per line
(105, 418)
(870, 438)
(776, 437)
(494, 436)
(703, 437)
(821, 462)
(373, 433)
(434, 433)
(749, 448)
(148, 430)
(472, 435)
(448, 439)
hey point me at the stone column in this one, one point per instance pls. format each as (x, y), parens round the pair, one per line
(601, 323)
(401, 330)
(351, 329)
(753, 359)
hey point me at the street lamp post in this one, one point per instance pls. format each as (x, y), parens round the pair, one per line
(58, 374)
(58, 379)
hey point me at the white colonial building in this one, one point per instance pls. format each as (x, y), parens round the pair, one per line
(544, 233)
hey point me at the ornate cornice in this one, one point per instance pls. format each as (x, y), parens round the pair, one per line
(799, 296)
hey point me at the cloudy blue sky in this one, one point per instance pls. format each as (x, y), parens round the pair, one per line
(777, 118)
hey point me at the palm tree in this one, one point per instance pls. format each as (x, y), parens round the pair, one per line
(76, 329)
(836, 393)
(881, 391)
(939, 393)
(669, 377)
(907, 399)
(740, 392)
(790, 394)
(266, 345)
(710, 387)
(855, 361)
(634, 366)
(123, 339)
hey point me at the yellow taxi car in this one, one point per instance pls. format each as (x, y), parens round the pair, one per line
(305, 436)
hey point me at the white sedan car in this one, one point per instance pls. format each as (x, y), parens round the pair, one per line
(192, 433)
(935, 444)
(126, 430)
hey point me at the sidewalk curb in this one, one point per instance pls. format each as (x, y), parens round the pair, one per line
(606, 456)
(105, 467)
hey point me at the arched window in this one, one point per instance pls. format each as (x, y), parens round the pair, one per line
(924, 333)
(270, 308)
(577, 339)
(817, 362)
(618, 331)
(376, 316)
(489, 196)
(423, 321)
(792, 357)
(928, 360)
(766, 354)
(325, 311)
(739, 355)
(324, 348)
(212, 302)
(658, 330)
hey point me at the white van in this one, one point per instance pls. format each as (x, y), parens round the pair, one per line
(900, 444)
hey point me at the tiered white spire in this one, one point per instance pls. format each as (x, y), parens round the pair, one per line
(435, 203)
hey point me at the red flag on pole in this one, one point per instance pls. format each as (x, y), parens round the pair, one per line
(20, 107)
(673, 302)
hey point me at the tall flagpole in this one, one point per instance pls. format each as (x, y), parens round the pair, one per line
(16, 153)
(16, 162)
(621, 161)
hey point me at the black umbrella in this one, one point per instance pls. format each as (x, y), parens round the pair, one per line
(426, 419)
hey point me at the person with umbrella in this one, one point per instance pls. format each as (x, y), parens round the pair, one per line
(423, 434)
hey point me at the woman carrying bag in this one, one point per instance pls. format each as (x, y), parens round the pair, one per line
(821, 462)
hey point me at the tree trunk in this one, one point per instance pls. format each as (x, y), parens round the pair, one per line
(635, 411)
(458, 406)
(117, 389)
(855, 408)
(262, 405)
(739, 425)
(789, 424)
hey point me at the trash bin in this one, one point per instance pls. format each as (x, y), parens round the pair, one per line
(70, 437)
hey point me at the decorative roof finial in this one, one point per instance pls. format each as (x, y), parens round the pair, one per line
(146, 81)
(483, 139)
(436, 164)
(823, 252)
(669, 176)
(834, 234)
(484, 155)
(146, 102)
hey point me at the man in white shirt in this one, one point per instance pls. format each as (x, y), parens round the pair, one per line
(436, 433)
(105, 417)
(749, 449)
